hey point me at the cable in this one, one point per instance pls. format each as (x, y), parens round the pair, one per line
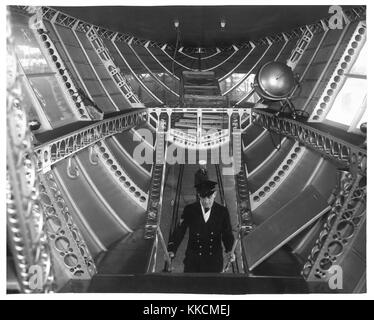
(278, 147)
(220, 184)
(175, 51)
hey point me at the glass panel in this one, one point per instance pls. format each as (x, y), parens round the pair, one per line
(253, 98)
(27, 102)
(348, 101)
(27, 48)
(51, 98)
(364, 117)
(230, 81)
(243, 88)
(359, 66)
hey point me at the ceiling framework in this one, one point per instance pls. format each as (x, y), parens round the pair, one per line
(207, 48)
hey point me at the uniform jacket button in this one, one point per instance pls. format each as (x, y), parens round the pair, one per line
(199, 253)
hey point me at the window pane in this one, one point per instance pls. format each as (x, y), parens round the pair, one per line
(348, 101)
(359, 66)
(52, 99)
(27, 47)
(364, 117)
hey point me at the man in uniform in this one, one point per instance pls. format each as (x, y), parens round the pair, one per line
(209, 226)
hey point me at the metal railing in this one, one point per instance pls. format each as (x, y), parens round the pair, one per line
(156, 188)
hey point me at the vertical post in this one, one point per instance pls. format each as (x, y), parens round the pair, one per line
(199, 61)
(199, 125)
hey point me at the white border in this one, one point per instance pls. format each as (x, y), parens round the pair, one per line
(132, 296)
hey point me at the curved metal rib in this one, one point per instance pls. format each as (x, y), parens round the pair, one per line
(159, 62)
(177, 62)
(240, 62)
(109, 208)
(248, 73)
(224, 61)
(135, 75)
(218, 51)
(78, 212)
(151, 73)
(74, 31)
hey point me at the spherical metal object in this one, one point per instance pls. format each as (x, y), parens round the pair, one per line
(363, 127)
(274, 81)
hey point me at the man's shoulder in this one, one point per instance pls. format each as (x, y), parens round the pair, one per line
(220, 208)
(192, 206)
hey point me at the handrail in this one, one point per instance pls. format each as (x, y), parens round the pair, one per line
(157, 184)
(58, 149)
(220, 185)
(174, 217)
(168, 260)
(177, 199)
(244, 210)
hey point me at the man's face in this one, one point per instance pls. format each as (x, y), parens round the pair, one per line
(207, 202)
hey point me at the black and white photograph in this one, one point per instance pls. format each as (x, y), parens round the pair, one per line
(190, 149)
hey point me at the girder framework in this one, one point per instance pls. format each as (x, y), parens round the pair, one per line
(113, 70)
(54, 151)
(357, 13)
(344, 221)
(243, 193)
(348, 201)
(63, 76)
(343, 224)
(341, 152)
(27, 238)
(157, 181)
(66, 241)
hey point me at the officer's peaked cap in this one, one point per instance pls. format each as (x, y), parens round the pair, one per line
(206, 188)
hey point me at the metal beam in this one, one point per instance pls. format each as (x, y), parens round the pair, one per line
(58, 149)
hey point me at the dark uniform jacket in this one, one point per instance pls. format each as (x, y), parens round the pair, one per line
(204, 248)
